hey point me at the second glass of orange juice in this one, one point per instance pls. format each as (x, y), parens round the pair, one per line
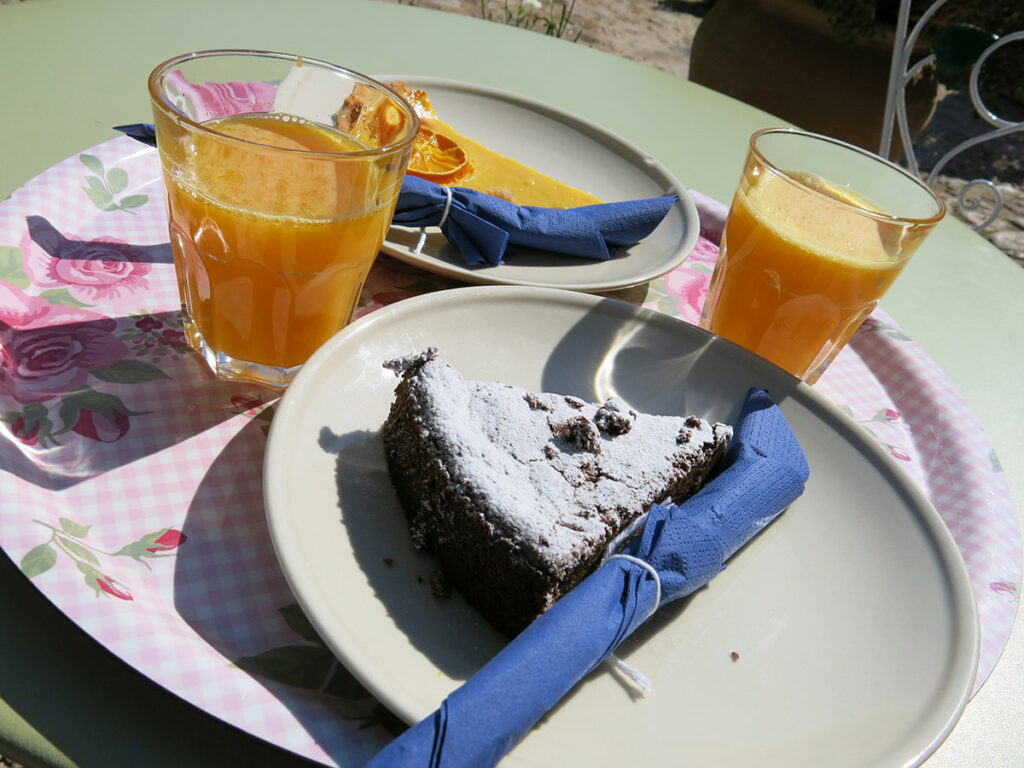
(817, 232)
(275, 215)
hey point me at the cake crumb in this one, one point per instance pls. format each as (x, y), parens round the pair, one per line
(615, 417)
(535, 403)
(580, 433)
(734, 656)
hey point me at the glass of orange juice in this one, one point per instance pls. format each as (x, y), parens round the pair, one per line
(817, 232)
(276, 216)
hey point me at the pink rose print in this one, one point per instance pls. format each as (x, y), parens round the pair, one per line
(96, 415)
(104, 270)
(1007, 588)
(48, 350)
(31, 426)
(691, 288)
(148, 323)
(153, 545)
(896, 453)
(168, 540)
(205, 101)
(690, 284)
(155, 337)
(112, 588)
(704, 252)
(70, 539)
(173, 338)
(25, 432)
(102, 427)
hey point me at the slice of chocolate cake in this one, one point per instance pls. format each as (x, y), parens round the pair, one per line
(519, 494)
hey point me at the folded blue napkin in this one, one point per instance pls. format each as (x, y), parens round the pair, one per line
(686, 546)
(144, 132)
(483, 227)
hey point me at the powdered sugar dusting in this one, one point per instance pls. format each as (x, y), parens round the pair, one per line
(545, 483)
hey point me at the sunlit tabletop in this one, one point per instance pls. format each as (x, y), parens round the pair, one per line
(72, 69)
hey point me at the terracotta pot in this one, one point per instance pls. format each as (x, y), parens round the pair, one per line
(783, 57)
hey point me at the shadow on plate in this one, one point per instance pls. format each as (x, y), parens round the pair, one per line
(658, 364)
(437, 622)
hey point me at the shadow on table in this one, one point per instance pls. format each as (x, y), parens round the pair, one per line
(229, 588)
(82, 397)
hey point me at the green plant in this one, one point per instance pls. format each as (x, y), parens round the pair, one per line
(526, 15)
(959, 32)
(868, 18)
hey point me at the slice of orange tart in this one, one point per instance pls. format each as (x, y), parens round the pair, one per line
(443, 155)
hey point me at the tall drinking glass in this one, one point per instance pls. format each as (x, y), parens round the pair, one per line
(276, 216)
(817, 232)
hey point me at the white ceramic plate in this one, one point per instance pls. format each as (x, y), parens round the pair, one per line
(574, 151)
(852, 615)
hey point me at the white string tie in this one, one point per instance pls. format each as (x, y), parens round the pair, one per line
(634, 674)
(642, 681)
(654, 575)
(444, 217)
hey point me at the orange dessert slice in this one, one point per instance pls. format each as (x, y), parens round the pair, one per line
(438, 158)
(443, 155)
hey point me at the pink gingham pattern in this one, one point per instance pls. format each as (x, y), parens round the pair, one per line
(136, 508)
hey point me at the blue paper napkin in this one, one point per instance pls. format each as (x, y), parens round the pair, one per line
(483, 228)
(144, 132)
(686, 546)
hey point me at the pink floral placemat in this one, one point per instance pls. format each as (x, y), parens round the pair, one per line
(131, 485)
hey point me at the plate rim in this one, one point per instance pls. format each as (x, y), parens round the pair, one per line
(492, 275)
(966, 630)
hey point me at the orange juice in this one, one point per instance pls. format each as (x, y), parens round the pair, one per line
(272, 247)
(803, 262)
